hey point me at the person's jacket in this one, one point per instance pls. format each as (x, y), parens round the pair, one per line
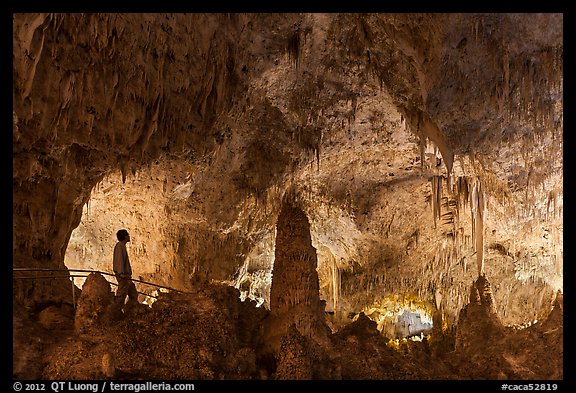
(121, 264)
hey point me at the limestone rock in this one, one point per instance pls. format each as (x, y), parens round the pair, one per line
(424, 150)
(94, 306)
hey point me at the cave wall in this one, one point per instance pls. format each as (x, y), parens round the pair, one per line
(212, 117)
(90, 97)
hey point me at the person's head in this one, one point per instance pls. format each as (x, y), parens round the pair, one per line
(122, 235)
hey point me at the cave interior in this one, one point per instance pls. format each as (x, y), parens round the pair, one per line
(316, 196)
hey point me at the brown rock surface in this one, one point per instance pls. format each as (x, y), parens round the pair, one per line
(425, 151)
(210, 333)
(294, 294)
(95, 305)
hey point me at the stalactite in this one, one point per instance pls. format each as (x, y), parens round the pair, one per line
(436, 183)
(294, 47)
(422, 148)
(335, 284)
(88, 206)
(506, 74)
(478, 208)
(33, 51)
(123, 171)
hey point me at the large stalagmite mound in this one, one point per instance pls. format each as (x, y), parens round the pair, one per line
(294, 294)
(209, 333)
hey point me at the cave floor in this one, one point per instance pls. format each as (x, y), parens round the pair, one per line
(212, 335)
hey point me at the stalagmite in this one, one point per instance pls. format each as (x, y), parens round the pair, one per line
(294, 293)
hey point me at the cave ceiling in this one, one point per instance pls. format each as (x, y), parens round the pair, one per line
(425, 149)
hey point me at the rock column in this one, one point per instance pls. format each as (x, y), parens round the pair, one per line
(295, 291)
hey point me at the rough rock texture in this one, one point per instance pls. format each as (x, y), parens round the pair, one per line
(207, 334)
(33, 336)
(485, 349)
(95, 304)
(478, 318)
(210, 333)
(294, 295)
(424, 149)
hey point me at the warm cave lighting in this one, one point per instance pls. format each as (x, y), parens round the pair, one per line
(401, 322)
(524, 325)
(414, 323)
(149, 300)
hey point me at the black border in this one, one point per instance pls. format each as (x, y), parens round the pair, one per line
(332, 6)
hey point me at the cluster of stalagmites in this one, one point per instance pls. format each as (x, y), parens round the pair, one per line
(210, 333)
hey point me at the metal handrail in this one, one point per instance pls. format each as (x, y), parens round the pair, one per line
(71, 275)
(26, 269)
(76, 275)
(39, 269)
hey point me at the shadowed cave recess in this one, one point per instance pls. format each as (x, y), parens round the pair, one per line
(327, 196)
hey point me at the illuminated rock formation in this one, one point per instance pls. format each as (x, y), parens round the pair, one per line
(294, 294)
(424, 150)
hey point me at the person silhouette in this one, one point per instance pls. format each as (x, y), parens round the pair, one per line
(123, 270)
